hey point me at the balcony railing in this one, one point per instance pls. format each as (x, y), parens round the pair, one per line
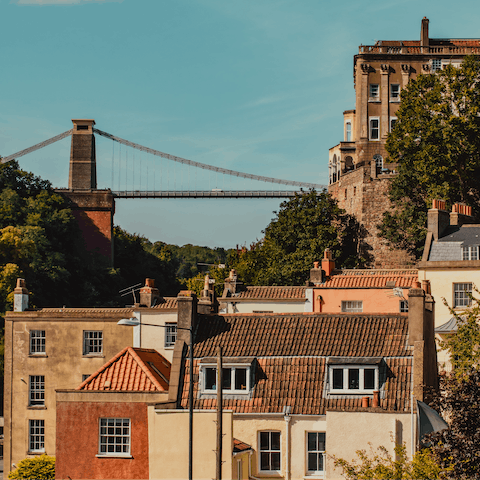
(417, 49)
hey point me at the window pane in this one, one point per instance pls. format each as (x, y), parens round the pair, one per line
(321, 441)
(275, 439)
(369, 378)
(353, 378)
(338, 378)
(275, 461)
(264, 441)
(210, 379)
(240, 379)
(312, 462)
(312, 442)
(227, 378)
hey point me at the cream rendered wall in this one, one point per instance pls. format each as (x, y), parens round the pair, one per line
(246, 429)
(348, 432)
(441, 282)
(266, 306)
(154, 337)
(168, 444)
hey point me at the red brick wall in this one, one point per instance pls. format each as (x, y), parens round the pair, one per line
(78, 437)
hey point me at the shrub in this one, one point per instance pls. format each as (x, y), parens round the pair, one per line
(37, 468)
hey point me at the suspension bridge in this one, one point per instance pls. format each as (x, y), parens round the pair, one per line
(138, 171)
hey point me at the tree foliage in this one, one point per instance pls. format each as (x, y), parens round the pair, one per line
(381, 465)
(303, 228)
(436, 143)
(41, 467)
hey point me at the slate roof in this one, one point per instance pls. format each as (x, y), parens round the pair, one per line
(290, 357)
(449, 246)
(371, 279)
(271, 293)
(131, 370)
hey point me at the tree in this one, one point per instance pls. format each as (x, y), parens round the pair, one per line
(436, 144)
(381, 465)
(41, 467)
(458, 399)
(303, 228)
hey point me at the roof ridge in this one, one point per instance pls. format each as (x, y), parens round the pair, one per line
(147, 370)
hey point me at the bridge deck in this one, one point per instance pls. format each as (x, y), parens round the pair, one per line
(206, 194)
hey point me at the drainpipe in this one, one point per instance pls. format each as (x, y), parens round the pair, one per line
(412, 415)
(287, 418)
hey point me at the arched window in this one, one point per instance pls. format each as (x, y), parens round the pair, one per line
(378, 161)
(349, 164)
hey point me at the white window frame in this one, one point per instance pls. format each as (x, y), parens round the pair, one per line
(392, 119)
(436, 64)
(348, 131)
(361, 386)
(317, 452)
(234, 367)
(470, 252)
(269, 451)
(36, 391)
(37, 342)
(352, 306)
(36, 436)
(378, 161)
(93, 342)
(374, 92)
(170, 334)
(371, 128)
(403, 306)
(395, 92)
(118, 425)
(460, 297)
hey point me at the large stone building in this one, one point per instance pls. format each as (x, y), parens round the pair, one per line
(358, 177)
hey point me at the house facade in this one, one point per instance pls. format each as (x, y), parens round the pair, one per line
(359, 179)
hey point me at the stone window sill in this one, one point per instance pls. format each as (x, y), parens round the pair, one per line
(114, 456)
(41, 355)
(36, 407)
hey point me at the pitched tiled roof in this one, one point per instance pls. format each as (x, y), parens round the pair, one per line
(89, 311)
(131, 370)
(239, 446)
(166, 303)
(299, 382)
(371, 279)
(272, 293)
(291, 352)
(302, 334)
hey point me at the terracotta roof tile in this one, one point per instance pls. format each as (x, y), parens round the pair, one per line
(166, 303)
(291, 352)
(371, 279)
(131, 370)
(272, 293)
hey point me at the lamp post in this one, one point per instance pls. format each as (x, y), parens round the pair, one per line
(135, 322)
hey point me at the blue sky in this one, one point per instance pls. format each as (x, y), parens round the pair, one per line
(257, 86)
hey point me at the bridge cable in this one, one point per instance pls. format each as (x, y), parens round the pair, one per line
(205, 166)
(37, 146)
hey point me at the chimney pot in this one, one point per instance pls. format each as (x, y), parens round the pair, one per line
(365, 402)
(376, 399)
(316, 264)
(20, 296)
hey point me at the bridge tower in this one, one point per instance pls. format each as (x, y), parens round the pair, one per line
(93, 208)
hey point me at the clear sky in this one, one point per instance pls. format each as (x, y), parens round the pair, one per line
(253, 85)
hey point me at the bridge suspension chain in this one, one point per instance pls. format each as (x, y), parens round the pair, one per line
(37, 146)
(205, 166)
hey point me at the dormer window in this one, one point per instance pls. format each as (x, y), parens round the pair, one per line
(236, 377)
(470, 253)
(353, 375)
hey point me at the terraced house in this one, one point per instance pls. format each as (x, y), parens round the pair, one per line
(297, 389)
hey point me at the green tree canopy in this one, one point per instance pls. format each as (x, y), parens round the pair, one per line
(436, 144)
(303, 228)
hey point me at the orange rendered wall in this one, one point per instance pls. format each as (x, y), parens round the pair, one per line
(78, 437)
(375, 300)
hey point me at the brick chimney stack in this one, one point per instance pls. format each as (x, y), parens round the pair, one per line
(328, 264)
(421, 336)
(424, 40)
(461, 214)
(438, 219)
(20, 296)
(149, 294)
